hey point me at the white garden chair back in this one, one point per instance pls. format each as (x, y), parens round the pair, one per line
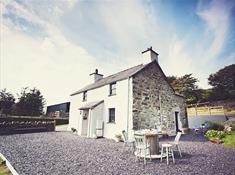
(177, 137)
(142, 146)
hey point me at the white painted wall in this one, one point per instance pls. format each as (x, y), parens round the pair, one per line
(118, 101)
(74, 113)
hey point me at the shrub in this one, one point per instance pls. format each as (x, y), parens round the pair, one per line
(221, 134)
(60, 121)
(216, 125)
(210, 134)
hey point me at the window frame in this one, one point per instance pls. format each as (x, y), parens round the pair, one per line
(112, 115)
(84, 96)
(112, 88)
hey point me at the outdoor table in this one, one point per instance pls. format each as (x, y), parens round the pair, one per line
(153, 138)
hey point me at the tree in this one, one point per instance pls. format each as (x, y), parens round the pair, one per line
(223, 83)
(7, 101)
(185, 85)
(31, 103)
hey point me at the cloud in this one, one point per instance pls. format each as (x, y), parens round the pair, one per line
(216, 17)
(202, 56)
(50, 63)
(36, 50)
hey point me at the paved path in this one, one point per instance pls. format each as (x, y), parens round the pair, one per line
(62, 153)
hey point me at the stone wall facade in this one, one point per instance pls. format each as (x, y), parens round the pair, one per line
(154, 101)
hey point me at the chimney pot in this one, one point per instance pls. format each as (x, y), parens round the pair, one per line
(96, 76)
(149, 55)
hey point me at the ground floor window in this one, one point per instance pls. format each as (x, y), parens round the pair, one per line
(111, 115)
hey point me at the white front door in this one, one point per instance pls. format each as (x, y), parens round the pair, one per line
(85, 115)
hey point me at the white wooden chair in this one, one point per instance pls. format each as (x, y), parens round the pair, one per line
(175, 143)
(142, 147)
(167, 151)
(128, 143)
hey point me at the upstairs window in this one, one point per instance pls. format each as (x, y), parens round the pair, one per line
(111, 115)
(84, 98)
(112, 89)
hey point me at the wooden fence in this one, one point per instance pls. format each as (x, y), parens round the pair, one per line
(209, 111)
(25, 125)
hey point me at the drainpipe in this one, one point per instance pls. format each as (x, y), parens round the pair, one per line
(128, 106)
(160, 105)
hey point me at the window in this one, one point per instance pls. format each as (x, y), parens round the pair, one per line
(112, 89)
(84, 96)
(111, 115)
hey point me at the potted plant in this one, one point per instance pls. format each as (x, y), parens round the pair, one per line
(74, 130)
(118, 137)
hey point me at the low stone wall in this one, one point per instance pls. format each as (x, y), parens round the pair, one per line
(25, 125)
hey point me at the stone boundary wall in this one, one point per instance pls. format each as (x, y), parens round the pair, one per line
(25, 125)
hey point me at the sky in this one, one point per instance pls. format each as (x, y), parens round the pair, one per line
(54, 45)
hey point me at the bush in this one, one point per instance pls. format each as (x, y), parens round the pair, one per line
(216, 125)
(60, 121)
(210, 134)
(221, 134)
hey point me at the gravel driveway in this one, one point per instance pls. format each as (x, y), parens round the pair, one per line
(65, 153)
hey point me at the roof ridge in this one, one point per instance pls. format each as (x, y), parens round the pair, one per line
(122, 71)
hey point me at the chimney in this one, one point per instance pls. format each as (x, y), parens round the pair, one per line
(149, 55)
(97, 76)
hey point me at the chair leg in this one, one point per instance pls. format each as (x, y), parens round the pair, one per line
(145, 156)
(167, 156)
(179, 150)
(162, 153)
(133, 147)
(137, 154)
(172, 154)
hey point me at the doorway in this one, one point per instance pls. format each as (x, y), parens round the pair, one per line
(85, 114)
(177, 122)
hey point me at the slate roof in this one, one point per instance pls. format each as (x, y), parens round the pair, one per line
(91, 105)
(121, 76)
(112, 78)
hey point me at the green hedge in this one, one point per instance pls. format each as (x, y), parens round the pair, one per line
(62, 121)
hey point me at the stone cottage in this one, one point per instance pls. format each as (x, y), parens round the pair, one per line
(137, 98)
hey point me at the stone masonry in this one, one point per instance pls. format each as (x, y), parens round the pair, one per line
(155, 100)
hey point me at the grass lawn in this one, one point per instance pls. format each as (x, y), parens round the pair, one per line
(3, 168)
(229, 140)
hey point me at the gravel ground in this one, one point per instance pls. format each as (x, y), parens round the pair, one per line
(66, 153)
